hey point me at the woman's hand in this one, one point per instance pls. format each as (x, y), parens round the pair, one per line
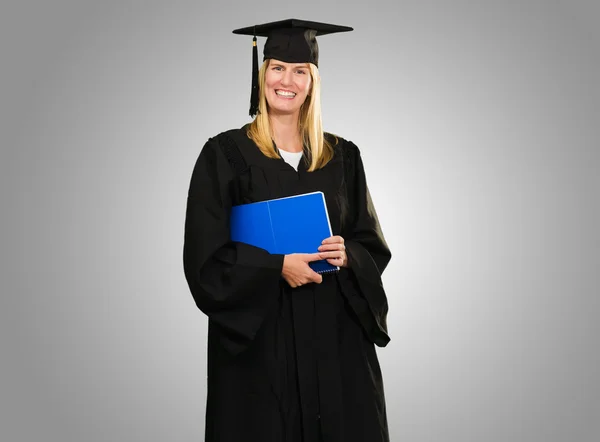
(296, 270)
(334, 250)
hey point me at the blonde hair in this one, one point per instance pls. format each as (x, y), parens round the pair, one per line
(320, 150)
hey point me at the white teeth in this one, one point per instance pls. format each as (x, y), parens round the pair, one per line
(285, 94)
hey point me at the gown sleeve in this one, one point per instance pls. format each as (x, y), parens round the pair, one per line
(368, 254)
(233, 283)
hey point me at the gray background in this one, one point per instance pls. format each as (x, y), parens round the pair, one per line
(479, 125)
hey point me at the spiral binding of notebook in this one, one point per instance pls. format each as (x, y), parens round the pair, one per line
(329, 271)
(318, 267)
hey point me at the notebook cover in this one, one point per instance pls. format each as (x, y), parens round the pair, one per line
(294, 224)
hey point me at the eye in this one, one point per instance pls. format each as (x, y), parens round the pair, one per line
(277, 68)
(301, 71)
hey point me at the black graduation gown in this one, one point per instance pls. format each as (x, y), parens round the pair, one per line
(287, 364)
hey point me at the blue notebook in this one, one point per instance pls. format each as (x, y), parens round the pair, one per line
(294, 224)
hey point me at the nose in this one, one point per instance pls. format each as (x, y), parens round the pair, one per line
(286, 78)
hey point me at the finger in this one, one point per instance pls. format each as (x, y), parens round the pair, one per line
(335, 262)
(308, 257)
(332, 255)
(313, 276)
(333, 239)
(328, 247)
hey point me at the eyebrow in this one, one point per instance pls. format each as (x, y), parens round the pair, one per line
(298, 66)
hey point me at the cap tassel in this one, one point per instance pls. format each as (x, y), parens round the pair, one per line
(254, 95)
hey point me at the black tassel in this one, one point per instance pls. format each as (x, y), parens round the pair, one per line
(254, 94)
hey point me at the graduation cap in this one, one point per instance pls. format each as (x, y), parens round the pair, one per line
(291, 41)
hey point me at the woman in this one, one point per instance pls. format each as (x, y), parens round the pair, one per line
(291, 352)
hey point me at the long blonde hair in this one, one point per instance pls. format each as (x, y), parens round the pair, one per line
(320, 150)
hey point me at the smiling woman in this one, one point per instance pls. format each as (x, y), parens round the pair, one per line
(286, 86)
(291, 352)
(290, 100)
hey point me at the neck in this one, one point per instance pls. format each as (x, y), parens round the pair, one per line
(286, 132)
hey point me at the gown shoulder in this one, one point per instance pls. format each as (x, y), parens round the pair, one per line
(228, 143)
(346, 149)
(339, 142)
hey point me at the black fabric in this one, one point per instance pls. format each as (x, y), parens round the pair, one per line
(292, 40)
(233, 154)
(287, 364)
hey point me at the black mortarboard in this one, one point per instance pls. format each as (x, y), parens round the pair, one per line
(291, 41)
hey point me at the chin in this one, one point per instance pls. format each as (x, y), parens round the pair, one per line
(282, 109)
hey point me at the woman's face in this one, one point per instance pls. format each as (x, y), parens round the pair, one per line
(286, 86)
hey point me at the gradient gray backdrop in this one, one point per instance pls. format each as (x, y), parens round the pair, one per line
(479, 124)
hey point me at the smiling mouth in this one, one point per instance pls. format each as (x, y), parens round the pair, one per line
(285, 94)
